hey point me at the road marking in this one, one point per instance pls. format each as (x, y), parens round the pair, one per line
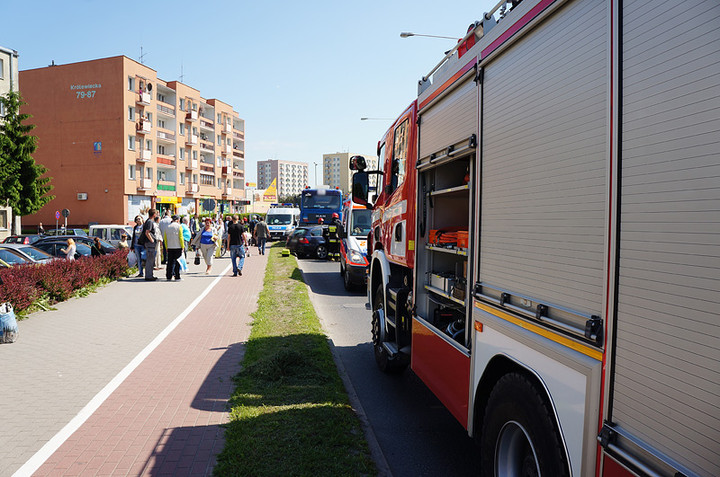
(39, 458)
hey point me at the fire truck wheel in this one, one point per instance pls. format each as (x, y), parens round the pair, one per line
(384, 362)
(519, 436)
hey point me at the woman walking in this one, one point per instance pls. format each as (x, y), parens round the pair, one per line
(206, 241)
(70, 250)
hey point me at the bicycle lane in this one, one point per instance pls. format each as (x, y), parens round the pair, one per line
(165, 414)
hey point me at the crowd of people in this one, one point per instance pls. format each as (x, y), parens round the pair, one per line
(169, 240)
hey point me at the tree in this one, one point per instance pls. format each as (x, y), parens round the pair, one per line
(290, 199)
(22, 186)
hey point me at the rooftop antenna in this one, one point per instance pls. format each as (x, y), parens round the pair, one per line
(142, 55)
(182, 75)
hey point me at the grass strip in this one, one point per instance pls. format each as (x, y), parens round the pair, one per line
(290, 413)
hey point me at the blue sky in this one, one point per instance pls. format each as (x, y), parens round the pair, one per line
(301, 74)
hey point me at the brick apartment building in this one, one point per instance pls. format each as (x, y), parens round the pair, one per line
(118, 140)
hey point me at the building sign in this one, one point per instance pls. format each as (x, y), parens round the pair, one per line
(250, 184)
(85, 91)
(168, 200)
(270, 194)
(97, 147)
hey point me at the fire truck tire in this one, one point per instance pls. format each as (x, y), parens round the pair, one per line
(519, 436)
(384, 362)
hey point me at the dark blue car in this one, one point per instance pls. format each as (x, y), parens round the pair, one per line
(308, 241)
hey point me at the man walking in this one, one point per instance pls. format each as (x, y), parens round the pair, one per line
(164, 222)
(174, 242)
(261, 234)
(236, 245)
(148, 232)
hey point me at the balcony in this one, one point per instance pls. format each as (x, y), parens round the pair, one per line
(192, 164)
(168, 186)
(239, 154)
(238, 174)
(206, 146)
(143, 127)
(191, 140)
(192, 189)
(191, 116)
(144, 156)
(165, 136)
(143, 98)
(207, 168)
(239, 135)
(166, 110)
(226, 149)
(144, 184)
(228, 128)
(205, 124)
(225, 170)
(227, 191)
(170, 161)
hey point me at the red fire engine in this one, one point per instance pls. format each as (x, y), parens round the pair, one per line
(545, 245)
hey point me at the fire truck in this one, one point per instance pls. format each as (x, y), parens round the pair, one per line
(545, 243)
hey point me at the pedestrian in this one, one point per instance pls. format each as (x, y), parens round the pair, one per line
(123, 243)
(164, 222)
(261, 234)
(160, 246)
(150, 244)
(218, 230)
(96, 249)
(70, 250)
(251, 229)
(136, 246)
(174, 243)
(187, 236)
(41, 230)
(193, 225)
(236, 245)
(206, 242)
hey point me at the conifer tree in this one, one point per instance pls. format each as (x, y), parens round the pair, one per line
(21, 181)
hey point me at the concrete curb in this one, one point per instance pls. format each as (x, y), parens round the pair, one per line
(383, 469)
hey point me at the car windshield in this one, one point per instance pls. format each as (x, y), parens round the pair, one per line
(11, 257)
(279, 219)
(360, 222)
(321, 200)
(36, 253)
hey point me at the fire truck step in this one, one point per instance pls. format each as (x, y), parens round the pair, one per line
(390, 348)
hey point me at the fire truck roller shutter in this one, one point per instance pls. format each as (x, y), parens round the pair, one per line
(544, 153)
(667, 376)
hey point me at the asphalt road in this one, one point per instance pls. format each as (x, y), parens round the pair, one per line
(415, 432)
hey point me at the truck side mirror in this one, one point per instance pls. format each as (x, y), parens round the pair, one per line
(361, 188)
(358, 163)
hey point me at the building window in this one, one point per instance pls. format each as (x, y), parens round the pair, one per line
(148, 173)
(148, 145)
(195, 155)
(131, 113)
(131, 172)
(182, 129)
(194, 131)
(161, 123)
(131, 83)
(149, 117)
(161, 149)
(161, 176)
(161, 97)
(182, 153)
(182, 178)
(131, 143)
(219, 118)
(182, 104)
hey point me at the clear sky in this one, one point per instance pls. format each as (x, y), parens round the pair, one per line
(301, 74)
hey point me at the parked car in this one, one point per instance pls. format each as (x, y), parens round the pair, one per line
(308, 241)
(26, 239)
(107, 246)
(69, 232)
(111, 233)
(34, 254)
(54, 247)
(9, 258)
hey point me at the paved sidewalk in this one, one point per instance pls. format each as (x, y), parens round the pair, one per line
(164, 418)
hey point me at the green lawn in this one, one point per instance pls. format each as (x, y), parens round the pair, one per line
(290, 413)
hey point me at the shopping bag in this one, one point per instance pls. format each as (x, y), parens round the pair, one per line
(197, 258)
(132, 258)
(183, 264)
(8, 324)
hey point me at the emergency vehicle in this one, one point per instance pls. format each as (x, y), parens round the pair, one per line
(281, 220)
(353, 246)
(319, 203)
(545, 246)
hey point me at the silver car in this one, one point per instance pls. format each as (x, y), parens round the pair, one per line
(33, 254)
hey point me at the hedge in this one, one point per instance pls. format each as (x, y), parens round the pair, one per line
(24, 285)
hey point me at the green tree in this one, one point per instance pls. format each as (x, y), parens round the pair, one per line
(290, 199)
(22, 186)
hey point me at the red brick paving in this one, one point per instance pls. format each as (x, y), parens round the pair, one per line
(165, 418)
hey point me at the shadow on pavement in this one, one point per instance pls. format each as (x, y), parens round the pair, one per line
(186, 451)
(218, 385)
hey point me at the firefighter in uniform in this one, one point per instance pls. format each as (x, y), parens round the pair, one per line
(334, 235)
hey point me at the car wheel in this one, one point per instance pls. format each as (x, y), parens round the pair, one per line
(321, 252)
(347, 283)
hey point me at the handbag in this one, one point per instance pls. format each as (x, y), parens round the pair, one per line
(197, 258)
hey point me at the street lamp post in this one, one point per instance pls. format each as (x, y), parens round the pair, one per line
(407, 34)
(316, 181)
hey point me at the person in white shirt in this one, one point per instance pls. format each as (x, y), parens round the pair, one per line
(174, 243)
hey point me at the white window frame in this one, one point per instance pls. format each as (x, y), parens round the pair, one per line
(131, 143)
(131, 172)
(131, 83)
(131, 113)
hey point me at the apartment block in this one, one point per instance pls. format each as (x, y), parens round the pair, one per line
(8, 83)
(292, 177)
(117, 140)
(336, 169)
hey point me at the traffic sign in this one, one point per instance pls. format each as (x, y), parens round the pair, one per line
(57, 214)
(208, 204)
(65, 212)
